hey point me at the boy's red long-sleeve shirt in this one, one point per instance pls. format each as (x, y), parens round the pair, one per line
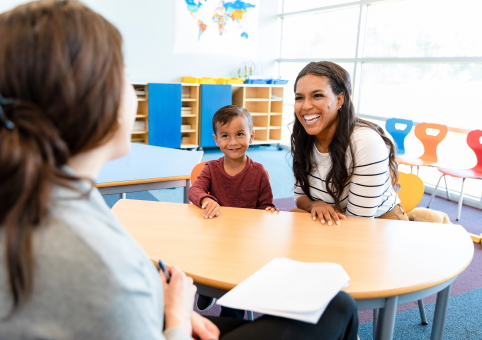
(248, 189)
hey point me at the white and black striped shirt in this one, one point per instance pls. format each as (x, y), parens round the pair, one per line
(370, 192)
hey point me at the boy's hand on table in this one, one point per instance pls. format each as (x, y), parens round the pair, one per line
(326, 212)
(272, 209)
(212, 207)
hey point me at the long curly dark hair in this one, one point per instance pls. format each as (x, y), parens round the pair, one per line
(340, 147)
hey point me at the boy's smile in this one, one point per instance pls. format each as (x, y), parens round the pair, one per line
(233, 138)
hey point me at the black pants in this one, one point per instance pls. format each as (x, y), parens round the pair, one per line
(338, 322)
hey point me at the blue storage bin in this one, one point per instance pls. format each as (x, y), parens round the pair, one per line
(277, 81)
(256, 81)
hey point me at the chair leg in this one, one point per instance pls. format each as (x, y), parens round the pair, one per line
(446, 187)
(422, 312)
(434, 191)
(250, 315)
(461, 200)
(411, 169)
(418, 168)
(375, 322)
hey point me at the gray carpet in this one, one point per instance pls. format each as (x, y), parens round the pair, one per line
(464, 321)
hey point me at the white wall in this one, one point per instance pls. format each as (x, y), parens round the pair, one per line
(147, 27)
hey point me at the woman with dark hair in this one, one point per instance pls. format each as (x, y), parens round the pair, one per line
(68, 269)
(343, 165)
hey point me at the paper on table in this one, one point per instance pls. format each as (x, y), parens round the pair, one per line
(287, 288)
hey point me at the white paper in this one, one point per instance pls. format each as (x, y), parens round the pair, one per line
(287, 288)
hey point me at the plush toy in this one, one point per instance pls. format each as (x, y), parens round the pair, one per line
(428, 215)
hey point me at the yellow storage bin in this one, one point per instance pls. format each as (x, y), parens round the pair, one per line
(207, 81)
(229, 81)
(191, 79)
(236, 81)
(199, 80)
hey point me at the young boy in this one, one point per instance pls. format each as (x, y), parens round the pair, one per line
(233, 180)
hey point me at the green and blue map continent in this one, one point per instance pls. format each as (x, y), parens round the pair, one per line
(226, 13)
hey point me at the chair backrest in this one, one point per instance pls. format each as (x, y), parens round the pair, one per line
(411, 190)
(399, 135)
(430, 142)
(196, 171)
(474, 142)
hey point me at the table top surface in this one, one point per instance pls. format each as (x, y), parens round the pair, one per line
(382, 257)
(147, 164)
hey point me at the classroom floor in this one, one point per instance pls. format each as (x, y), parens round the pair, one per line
(464, 320)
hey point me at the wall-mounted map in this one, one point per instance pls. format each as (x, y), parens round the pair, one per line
(216, 27)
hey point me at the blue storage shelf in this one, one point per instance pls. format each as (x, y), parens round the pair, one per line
(164, 115)
(213, 97)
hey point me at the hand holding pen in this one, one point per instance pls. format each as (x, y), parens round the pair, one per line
(164, 270)
(179, 292)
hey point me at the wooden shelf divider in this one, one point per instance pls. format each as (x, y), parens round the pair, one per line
(142, 116)
(190, 99)
(267, 112)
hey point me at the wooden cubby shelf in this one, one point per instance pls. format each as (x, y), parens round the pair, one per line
(265, 103)
(190, 99)
(142, 116)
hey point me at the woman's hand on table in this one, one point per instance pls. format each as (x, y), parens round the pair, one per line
(212, 207)
(203, 328)
(178, 299)
(326, 213)
(272, 209)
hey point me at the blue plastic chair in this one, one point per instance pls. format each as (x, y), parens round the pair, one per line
(399, 135)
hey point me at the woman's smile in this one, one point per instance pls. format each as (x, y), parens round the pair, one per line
(312, 118)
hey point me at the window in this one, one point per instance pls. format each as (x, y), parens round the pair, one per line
(423, 29)
(329, 34)
(415, 59)
(443, 93)
(301, 5)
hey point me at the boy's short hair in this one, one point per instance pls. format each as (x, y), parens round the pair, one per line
(225, 114)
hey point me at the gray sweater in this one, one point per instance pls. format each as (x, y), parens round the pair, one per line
(91, 279)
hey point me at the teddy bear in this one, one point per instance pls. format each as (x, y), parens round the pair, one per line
(428, 215)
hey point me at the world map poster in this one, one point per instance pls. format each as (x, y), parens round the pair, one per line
(216, 27)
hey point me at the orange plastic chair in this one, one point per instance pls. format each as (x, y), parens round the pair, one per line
(474, 142)
(196, 171)
(430, 144)
(411, 190)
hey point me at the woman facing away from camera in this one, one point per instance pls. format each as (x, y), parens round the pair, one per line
(68, 269)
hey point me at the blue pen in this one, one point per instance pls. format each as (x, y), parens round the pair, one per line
(164, 270)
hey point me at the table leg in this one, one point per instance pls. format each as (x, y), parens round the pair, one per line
(123, 196)
(386, 320)
(375, 322)
(186, 189)
(440, 314)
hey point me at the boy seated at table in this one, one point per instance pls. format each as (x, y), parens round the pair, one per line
(234, 180)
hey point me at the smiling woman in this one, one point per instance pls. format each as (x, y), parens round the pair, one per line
(343, 165)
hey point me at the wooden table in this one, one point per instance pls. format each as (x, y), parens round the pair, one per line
(148, 167)
(389, 262)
